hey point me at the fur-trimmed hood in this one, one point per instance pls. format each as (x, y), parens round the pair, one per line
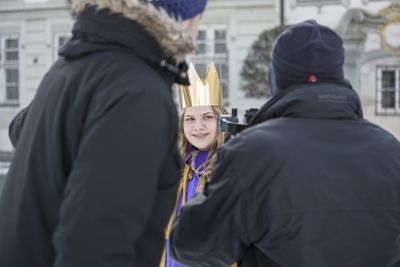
(168, 32)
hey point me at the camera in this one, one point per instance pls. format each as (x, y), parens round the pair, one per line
(230, 123)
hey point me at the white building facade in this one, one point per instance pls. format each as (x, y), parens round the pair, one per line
(31, 31)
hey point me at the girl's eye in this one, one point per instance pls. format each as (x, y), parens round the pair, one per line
(189, 119)
(210, 117)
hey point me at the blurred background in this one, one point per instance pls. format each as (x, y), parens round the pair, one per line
(235, 34)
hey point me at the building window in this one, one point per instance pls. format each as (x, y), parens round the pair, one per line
(212, 46)
(60, 41)
(9, 70)
(388, 90)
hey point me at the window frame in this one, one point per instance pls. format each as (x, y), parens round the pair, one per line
(9, 65)
(318, 3)
(210, 55)
(379, 109)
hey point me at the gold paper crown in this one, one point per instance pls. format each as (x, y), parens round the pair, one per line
(201, 93)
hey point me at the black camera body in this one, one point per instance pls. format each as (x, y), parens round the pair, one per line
(230, 123)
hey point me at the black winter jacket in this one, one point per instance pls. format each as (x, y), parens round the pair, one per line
(96, 168)
(311, 185)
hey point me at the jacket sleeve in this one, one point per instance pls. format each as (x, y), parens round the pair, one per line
(15, 128)
(112, 186)
(210, 229)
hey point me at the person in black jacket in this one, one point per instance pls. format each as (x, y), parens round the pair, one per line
(96, 166)
(310, 183)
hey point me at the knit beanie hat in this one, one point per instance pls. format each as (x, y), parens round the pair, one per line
(181, 9)
(306, 53)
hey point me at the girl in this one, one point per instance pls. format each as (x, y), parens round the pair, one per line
(198, 140)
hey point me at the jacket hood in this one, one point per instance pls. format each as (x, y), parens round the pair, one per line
(169, 33)
(312, 101)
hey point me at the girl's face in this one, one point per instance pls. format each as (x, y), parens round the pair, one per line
(200, 126)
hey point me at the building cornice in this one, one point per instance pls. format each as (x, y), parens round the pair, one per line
(22, 7)
(239, 3)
